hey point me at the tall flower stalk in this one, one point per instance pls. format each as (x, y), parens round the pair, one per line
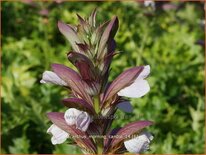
(93, 100)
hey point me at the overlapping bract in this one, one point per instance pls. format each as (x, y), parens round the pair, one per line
(93, 100)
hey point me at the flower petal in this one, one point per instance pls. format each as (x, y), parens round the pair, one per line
(139, 143)
(145, 72)
(139, 87)
(58, 135)
(71, 115)
(51, 77)
(83, 121)
(123, 80)
(125, 106)
(79, 118)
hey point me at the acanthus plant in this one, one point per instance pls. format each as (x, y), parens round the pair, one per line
(93, 100)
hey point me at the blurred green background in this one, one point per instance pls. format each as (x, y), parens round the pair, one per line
(169, 37)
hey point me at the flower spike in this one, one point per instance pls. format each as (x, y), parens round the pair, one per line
(93, 100)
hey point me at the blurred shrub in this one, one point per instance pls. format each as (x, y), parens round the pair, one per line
(163, 38)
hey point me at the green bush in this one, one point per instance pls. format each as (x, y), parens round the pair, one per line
(164, 39)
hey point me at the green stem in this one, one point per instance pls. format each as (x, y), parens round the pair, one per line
(97, 104)
(99, 149)
(99, 141)
(99, 144)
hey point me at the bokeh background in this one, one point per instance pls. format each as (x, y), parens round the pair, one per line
(169, 36)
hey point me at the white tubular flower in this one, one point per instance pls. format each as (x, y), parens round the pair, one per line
(51, 77)
(79, 118)
(125, 106)
(71, 115)
(139, 144)
(139, 87)
(58, 135)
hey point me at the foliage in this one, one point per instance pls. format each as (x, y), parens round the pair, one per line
(164, 39)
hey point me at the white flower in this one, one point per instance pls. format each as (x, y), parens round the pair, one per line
(51, 77)
(79, 118)
(125, 106)
(139, 87)
(139, 143)
(58, 135)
